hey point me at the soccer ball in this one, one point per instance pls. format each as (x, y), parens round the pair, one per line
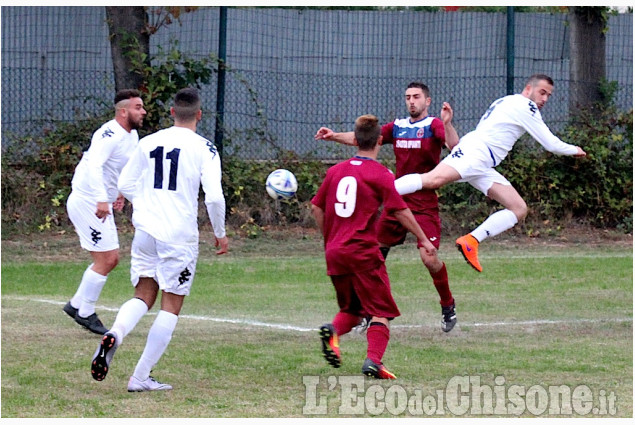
(281, 184)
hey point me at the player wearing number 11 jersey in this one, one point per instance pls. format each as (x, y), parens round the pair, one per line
(162, 180)
(346, 208)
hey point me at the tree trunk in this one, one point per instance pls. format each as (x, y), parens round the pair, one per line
(125, 25)
(588, 65)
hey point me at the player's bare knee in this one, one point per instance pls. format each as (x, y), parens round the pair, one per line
(112, 260)
(431, 262)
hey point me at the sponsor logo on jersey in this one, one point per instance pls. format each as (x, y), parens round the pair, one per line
(408, 144)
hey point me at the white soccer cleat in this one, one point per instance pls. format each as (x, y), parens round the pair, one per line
(150, 384)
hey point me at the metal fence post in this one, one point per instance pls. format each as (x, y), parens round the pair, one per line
(510, 50)
(220, 87)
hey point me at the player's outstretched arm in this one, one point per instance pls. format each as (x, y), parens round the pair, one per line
(347, 138)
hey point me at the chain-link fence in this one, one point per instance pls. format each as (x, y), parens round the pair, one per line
(292, 71)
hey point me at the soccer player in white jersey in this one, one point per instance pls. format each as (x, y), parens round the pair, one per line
(473, 160)
(162, 181)
(93, 198)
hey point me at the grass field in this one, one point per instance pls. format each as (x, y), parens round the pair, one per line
(540, 315)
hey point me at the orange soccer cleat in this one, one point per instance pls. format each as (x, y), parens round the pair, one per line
(468, 246)
(379, 371)
(330, 345)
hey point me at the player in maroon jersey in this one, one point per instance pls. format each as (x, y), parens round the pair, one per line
(345, 208)
(417, 142)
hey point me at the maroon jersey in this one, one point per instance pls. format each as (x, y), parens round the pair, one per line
(350, 196)
(417, 147)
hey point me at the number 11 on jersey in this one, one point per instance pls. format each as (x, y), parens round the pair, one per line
(173, 156)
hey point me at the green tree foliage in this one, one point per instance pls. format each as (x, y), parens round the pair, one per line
(596, 190)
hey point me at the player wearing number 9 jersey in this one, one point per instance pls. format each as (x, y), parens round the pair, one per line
(162, 180)
(346, 209)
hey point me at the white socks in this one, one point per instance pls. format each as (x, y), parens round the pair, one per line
(88, 292)
(158, 339)
(495, 224)
(409, 183)
(129, 315)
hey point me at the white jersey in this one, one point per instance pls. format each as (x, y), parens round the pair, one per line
(97, 173)
(507, 119)
(162, 180)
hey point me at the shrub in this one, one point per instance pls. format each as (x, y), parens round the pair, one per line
(35, 185)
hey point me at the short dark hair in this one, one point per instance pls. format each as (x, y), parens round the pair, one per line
(419, 85)
(367, 132)
(534, 79)
(187, 103)
(126, 94)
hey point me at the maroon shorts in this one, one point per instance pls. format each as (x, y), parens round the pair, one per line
(390, 232)
(366, 293)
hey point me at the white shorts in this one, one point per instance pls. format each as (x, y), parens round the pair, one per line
(171, 266)
(474, 161)
(94, 235)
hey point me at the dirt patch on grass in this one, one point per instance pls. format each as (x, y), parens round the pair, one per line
(286, 240)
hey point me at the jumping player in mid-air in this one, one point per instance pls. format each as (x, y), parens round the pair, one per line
(473, 160)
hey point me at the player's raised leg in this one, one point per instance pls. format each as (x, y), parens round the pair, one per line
(515, 210)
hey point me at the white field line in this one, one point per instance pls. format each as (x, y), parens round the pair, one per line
(287, 327)
(500, 256)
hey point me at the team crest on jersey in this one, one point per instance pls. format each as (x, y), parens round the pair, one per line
(420, 133)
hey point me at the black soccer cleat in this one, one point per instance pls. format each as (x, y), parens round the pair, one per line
(70, 310)
(449, 317)
(92, 323)
(103, 357)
